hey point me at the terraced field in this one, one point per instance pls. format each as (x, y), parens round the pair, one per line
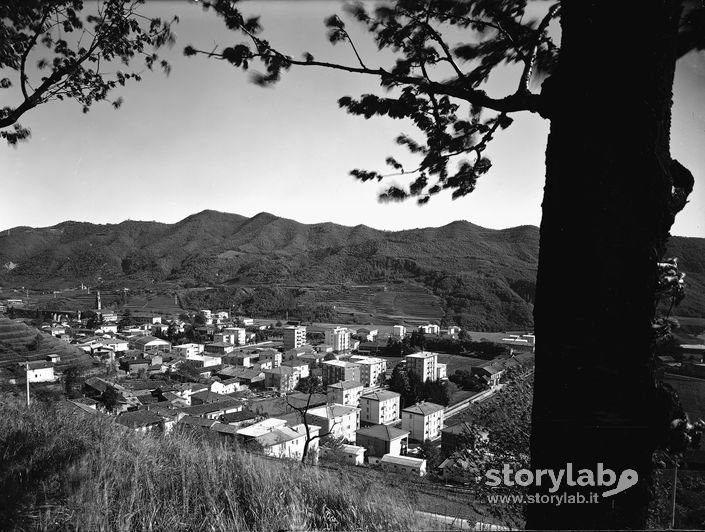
(411, 303)
(21, 343)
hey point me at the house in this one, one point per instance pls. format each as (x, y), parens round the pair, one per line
(301, 400)
(184, 391)
(382, 439)
(134, 366)
(299, 366)
(141, 421)
(282, 379)
(188, 350)
(250, 377)
(405, 465)
(213, 410)
(398, 331)
(294, 336)
(289, 442)
(207, 397)
(39, 371)
(345, 393)
(243, 418)
(313, 359)
(368, 335)
(372, 369)
(271, 354)
(219, 348)
(339, 421)
(144, 318)
(245, 360)
(380, 407)
(338, 370)
(491, 372)
(197, 422)
(424, 421)
(460, 468)
(431, 328)
(53, 358)
(296, 352)
(349, 454)
(226, 386)
(150, 344)
(519, 343)
(228, 432)
(422, 365)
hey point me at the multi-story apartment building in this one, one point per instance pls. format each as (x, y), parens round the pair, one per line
(294, 336)
(372, 369)
(424, 421)
(380, 407)
(345, 393)
(233, 335)
(337, 370)
(423, 365)
(337, 421)
(339, 338)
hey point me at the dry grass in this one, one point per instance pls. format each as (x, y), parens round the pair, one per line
(62, 471)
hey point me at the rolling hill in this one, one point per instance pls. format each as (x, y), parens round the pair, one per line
(481, 278)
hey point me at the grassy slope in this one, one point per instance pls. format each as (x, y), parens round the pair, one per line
(60, 470)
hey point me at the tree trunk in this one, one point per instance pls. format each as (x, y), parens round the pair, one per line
(606, 216)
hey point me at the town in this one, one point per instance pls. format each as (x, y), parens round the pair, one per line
(311, 393)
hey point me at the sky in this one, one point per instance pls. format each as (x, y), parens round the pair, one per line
(206, 138)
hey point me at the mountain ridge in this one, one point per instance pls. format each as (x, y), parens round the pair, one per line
(477, 276)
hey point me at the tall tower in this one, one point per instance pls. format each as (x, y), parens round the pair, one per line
(98, 303)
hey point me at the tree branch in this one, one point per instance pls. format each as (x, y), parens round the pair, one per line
(530, 61)
(25, 54)
(513, 103)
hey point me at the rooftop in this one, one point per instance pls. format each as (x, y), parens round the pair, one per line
(346, 385)
(382, 432)
(380, 395)
(403, 460)
(424, 409)
(139, 418)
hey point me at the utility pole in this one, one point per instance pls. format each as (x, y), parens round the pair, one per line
(27, 379)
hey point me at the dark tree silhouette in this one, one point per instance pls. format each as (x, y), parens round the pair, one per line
(611, 194)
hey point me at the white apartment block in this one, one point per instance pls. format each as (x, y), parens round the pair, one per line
(337, 370)
(345, 393)
(233, 335)
(372, 369)
(423, 364)
(339, 338)
(424, 421)
(294, 336)
(380, 407)
(339, 421)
